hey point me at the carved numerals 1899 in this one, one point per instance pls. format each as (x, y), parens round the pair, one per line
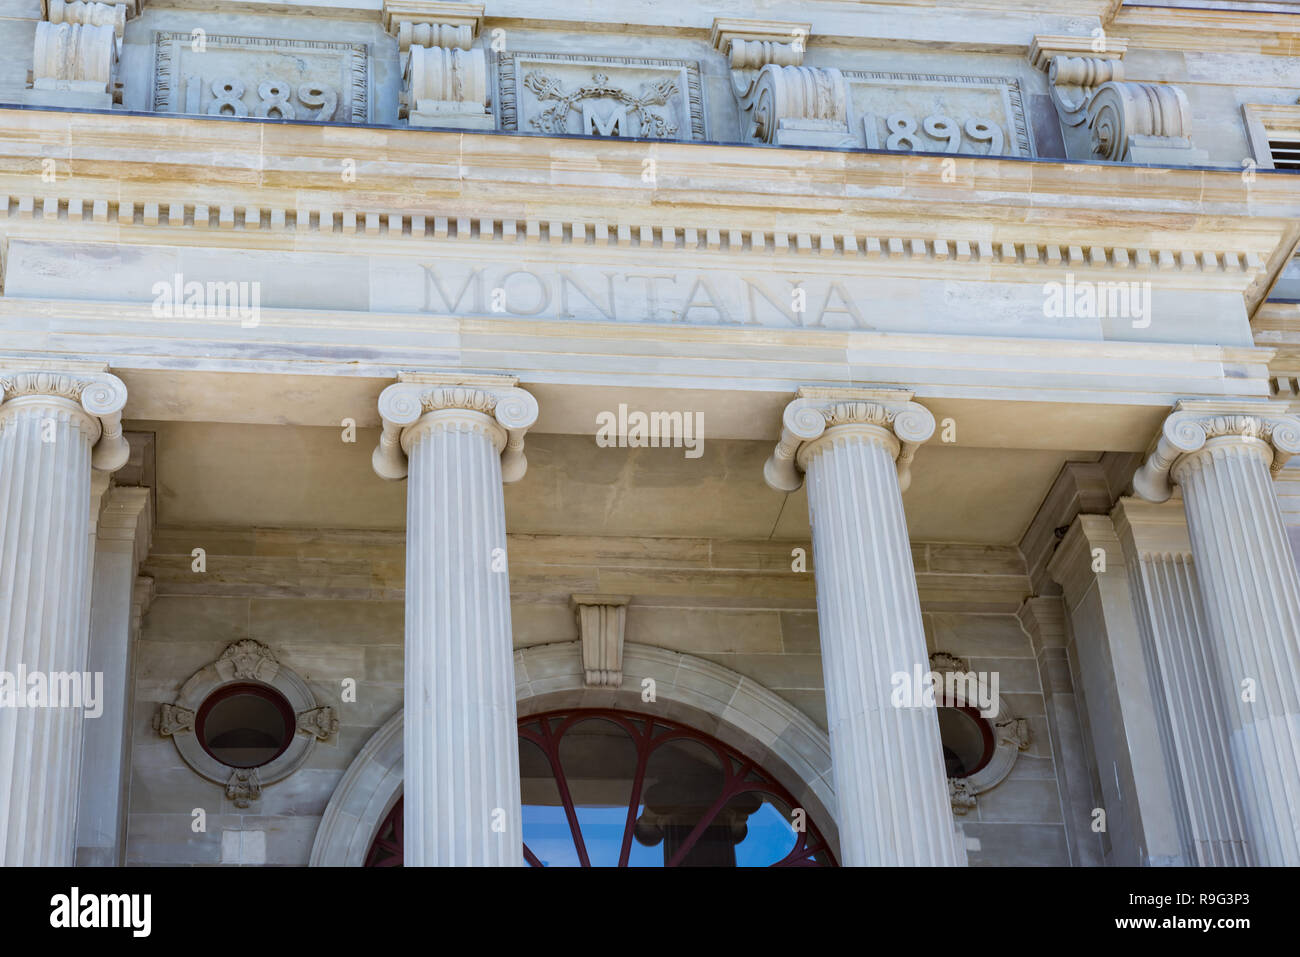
(320, 100)
(904, 135)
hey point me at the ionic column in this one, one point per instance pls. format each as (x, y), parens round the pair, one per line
(457, 438)
(55, 424)
(854, 447)
(1222, 455)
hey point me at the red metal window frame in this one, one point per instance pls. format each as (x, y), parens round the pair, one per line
(986, 730)
(266, 693)
(548, 729)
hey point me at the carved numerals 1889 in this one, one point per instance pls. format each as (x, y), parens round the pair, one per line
(227, 99)
(904, 135)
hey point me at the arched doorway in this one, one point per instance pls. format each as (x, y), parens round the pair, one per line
(611, 788)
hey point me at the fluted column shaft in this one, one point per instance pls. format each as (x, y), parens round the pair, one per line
(1250, 590)
(461, 799)
(49, 424)
(1188, 692)
(890, 784)
(1252, 597)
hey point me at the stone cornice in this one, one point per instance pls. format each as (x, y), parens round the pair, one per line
(100, 395)
(816, 410)
(1213, 29)
(276, 164)
(1193, 423)
(508, 410)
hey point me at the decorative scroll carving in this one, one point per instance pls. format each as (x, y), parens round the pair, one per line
(323, 722)
(602, 620)
(433, 23)
(1193, 423)
(961, 794)
(244, 786)
(798, 106)
(1010, 734)
(1119, 113)
(648, 123)
(624, 96)
(251, 661)
(247, 659)
(75, 57)
(494, 403)
(89, 14)
(102, 396)
(444, 82)
(173, 719)
(262, 76)
(817, 409)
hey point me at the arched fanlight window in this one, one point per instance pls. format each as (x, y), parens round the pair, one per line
(617, 789)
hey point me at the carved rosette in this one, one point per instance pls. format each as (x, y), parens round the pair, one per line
(98, 395)
(1119, 111)
(493, 405)
(1196, 426)
(819, 413)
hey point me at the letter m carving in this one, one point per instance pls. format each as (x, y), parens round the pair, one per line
(615, 123)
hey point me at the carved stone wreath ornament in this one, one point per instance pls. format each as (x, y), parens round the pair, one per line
(554, 119)
(246, 661)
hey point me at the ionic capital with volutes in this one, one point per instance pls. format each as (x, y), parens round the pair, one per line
(1198, 427)
(491, 404)
(85, 390)
(819, 415)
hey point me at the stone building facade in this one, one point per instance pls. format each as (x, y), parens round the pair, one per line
(481, 434)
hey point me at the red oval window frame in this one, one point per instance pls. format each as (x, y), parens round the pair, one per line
(263, 691)
(986, 730)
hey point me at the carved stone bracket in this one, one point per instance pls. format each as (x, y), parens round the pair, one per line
(961, 795)
(244, 786)
(247, 659)
(322, 722)
(798, 106)
(172, 719)
(816, 409)
(495, 402)
(1075, 67)
(1126, 122)
(602, 621)
(1194, 423)
(77, 48)
(100, 395)
(444, 75)
(750, 45)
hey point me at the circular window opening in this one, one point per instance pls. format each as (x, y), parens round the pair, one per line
(967, 740)
(245, 725)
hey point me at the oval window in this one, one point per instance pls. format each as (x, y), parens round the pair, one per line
(967, 740)
(245, 725)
